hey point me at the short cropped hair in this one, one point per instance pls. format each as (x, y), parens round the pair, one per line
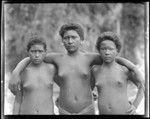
(72, 26)
(36, 40)
(108, 36)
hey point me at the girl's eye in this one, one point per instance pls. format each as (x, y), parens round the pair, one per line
(68, 37)
(33, 51)
(103, 48)
(107, 49)
(73, 37)
(110, 48)
(40, 51)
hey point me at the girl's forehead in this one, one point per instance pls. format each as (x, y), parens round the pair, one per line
(71, 32)
(108, 42)
(37, 46)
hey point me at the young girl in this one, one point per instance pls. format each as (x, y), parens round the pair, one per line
(111, 79)
(35, 89)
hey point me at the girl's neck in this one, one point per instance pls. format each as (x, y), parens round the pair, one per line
(75, 53)
(109, 64)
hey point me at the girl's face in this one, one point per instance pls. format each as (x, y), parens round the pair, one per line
(108, 51)
(37, 53)
(71, 41)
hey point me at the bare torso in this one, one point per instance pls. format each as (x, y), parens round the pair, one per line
(111, 84)
(74, 82)
(37, 90)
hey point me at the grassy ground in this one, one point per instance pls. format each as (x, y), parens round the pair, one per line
(9, 98)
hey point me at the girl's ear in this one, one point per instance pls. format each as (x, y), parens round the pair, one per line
(117, 52)
(80, 45)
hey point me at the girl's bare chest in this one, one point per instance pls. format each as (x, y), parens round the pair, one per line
(73, 67)
(36, 79)
(110, 78)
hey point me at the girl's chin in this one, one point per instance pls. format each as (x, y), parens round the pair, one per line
(108, 60)
(37, 62)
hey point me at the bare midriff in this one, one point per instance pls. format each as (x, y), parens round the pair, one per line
(111, 84)
(74, 82)
(75, 94)
(112, 101)
(37, 102)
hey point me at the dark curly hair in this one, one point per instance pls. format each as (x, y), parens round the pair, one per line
(36, 40)
(72, 26)
(108, 36)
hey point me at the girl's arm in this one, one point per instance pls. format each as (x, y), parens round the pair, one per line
(96, 59)
(139, 82)
(17, 102)
(51, 57)
(126, 63)
(15, 77)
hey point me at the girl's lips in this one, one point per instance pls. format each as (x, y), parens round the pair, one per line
(107, 58)
(70, 46)
(37, 60)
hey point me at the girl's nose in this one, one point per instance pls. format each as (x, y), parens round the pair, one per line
(37, 54)
(70, 40)
(107, 52)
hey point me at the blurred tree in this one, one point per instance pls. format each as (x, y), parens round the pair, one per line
(132, 30)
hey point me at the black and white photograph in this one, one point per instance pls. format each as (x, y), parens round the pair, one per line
(75, 59)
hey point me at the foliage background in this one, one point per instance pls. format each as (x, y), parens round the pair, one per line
(23, 20)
